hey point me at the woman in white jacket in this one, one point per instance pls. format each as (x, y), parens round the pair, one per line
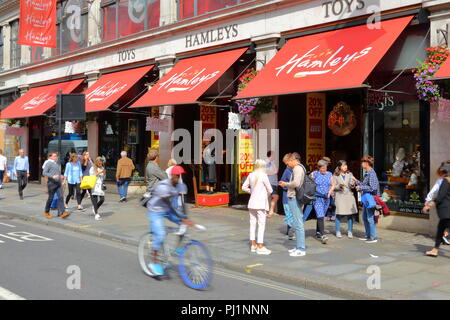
(258, 185)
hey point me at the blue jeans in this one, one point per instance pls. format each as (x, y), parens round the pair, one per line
(122, 187)
(288, 215)
(297, 219)
(369, 222)
(157, 227)
(349, 223)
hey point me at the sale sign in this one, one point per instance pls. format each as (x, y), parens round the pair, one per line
(315, 128)
(246, 155)
(38, 23)
(155, 134)
(208, 119)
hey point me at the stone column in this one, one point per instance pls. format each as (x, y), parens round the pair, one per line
(25, 135)
(6, 30)
(165, 142)
(266, 48)
(168, 12)
(94, 23)
(439, 133)
(92, 125)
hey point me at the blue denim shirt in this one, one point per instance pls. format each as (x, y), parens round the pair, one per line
(162, 190)
(73, 173)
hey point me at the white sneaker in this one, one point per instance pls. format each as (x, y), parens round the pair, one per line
(292, 250)
(97, 217)
(253, 248)
(338, 234)
(297, 253)
(182, 230)
(263, 250)
(200, 227)
(1, 186)
(350, 235)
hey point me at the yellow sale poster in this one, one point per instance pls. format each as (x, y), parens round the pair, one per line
(246, 157)
(315, 128)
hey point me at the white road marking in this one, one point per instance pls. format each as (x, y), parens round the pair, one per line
(8, 225)
(8, 295)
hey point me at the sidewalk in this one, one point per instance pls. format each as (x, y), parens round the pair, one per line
(339, 267)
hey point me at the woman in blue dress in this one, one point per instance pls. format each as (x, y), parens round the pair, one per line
(325, 186)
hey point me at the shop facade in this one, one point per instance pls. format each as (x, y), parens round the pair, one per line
(388, 124)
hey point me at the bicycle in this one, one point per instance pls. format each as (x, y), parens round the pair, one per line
(194, 261)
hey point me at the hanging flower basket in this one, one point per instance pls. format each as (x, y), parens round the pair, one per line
(252, 109)
(426, 89)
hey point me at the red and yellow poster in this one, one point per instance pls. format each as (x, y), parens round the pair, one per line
(208, 118)
(155, 135)
(37, 24)
(315, 128)
(246, 156)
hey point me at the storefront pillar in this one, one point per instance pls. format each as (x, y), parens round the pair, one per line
(25, 133)
(169, 12)
(266, 47)
(166, 63)
(6, 32)
(94, 25)
(92, 125)
(439, 133)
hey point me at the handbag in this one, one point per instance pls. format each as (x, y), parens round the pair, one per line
(88, 182)
(104, 187)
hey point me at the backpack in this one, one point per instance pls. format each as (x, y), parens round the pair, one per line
(306, 193)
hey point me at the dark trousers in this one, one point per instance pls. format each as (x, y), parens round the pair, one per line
(83, 193)
(320, 226)
(22, 180)
(74, 189)
(443, 224)
(54, 187)
(97, 201)
(2, 174)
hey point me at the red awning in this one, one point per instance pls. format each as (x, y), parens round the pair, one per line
(189, 79)
(326, 61)
(38, 100)
(110, 87)
(443, 72)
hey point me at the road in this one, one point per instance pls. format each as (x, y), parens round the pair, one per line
(41, 262)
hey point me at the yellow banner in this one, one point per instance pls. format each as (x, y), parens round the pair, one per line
(315, 128)
(155, 135)
(246, 157)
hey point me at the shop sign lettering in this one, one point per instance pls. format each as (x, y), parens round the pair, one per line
(379, 100)
(339, 7)
(319, 61)
(127, 55)
(246, 157)
(187, 80)
(105, 91)
(211, 36)
(157, 125)
(37, 101)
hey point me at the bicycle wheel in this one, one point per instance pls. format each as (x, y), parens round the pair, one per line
(145, 254)
(195, 265)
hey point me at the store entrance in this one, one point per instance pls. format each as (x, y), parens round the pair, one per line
(344, 129)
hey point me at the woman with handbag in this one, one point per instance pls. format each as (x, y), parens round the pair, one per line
(86, 165)
(325, 186)
(344, 198)
(370, 187)
(258, 185)
(73, 174)
(98, 192)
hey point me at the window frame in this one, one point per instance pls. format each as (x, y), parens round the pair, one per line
(15, 49)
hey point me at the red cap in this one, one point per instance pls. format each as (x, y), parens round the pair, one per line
(177, 170)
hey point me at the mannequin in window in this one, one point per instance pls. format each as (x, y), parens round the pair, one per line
(399, 163)
(209, 163)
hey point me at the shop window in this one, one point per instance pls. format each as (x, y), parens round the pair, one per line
(192, 8)
(15, 47)
(400, 155)
(73, 25)
(134, 16)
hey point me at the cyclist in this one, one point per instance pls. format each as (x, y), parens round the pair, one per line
(160, 206)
